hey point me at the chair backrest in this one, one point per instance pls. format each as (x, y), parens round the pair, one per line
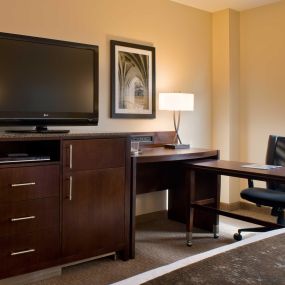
(276, 156)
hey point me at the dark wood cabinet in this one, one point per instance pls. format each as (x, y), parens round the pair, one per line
(91, 154)
(29, 217)
(93, 215)
(72, 207)
(95, 204)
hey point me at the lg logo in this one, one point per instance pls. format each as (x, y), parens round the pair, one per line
(45, 115)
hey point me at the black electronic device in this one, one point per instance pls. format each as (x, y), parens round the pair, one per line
(47, 82)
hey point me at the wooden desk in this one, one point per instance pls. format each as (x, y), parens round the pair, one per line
(158, 169)
(212, 170)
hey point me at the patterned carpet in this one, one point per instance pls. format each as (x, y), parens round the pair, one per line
(158, 242)
(259, 263)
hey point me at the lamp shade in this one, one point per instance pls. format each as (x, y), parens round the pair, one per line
(176, 101)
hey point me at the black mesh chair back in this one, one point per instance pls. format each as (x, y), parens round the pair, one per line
(276, 156)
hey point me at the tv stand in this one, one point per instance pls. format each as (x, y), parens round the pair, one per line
(39, 129)
(54, 191)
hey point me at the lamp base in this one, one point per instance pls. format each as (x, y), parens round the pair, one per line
(177, 146)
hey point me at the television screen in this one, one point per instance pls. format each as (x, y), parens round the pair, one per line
(45, 81)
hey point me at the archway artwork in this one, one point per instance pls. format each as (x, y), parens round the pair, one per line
(133, 80)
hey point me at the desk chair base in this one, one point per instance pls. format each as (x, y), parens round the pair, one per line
(277, 212)
(237, 236)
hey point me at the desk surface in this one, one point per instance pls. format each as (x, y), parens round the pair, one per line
(234, 168)
(159, 154)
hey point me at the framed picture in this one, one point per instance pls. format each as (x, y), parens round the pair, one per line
(132, 80)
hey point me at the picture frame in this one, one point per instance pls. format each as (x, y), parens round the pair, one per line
(132, 80)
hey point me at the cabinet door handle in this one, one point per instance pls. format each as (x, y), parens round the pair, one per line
(70, 156)
(23, 184)
(23, 218)
(13, 253)
(70, 188)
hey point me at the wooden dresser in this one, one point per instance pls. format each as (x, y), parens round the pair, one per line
(72, 202)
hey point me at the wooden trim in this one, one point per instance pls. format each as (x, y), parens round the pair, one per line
(230, 206)
(241, 205)
(252, 207)
(146, 218)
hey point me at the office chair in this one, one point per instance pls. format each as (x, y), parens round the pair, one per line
(274, 195)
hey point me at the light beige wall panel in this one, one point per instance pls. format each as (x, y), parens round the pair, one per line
(234, 93)
(220, 91)
(262, 78)
(220, 99)
(226, 94)
(181, 36)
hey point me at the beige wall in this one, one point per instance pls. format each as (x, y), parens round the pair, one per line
(181, 36)
(262, 78)
(187, 60)
(225, 93)
(248, 85)
(221, 91)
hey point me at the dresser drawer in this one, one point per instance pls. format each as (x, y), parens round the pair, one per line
(23, 183)
(27, 252)
(94, 153)
(27, 216)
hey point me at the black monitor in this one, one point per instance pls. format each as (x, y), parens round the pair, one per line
(47, 82)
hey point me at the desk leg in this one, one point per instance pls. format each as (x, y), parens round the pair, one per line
(190, 186)
(217, 206)
(203, 188)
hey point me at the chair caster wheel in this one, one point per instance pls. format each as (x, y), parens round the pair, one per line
(237, 236)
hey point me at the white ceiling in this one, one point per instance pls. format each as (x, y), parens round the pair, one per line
(216, 5)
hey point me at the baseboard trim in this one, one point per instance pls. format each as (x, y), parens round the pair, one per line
(230, 206)
(32, 277)
(241, 205)
(146, 218)
(47, 273)
(253, 207)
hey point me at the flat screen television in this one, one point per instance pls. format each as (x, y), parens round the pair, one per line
(47, 82)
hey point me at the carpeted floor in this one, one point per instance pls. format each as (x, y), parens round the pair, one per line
(158, 242)
(258, 263)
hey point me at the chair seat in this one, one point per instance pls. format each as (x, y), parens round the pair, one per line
(264, 197)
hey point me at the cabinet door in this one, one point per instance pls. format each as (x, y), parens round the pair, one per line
(93, 154)
(93, 212)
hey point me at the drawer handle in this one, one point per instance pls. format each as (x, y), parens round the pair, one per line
(22, 252)
(70, 188)
(23, 184)
(23, 218)
(70, 156)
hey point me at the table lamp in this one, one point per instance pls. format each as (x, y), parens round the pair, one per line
(176, 102)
